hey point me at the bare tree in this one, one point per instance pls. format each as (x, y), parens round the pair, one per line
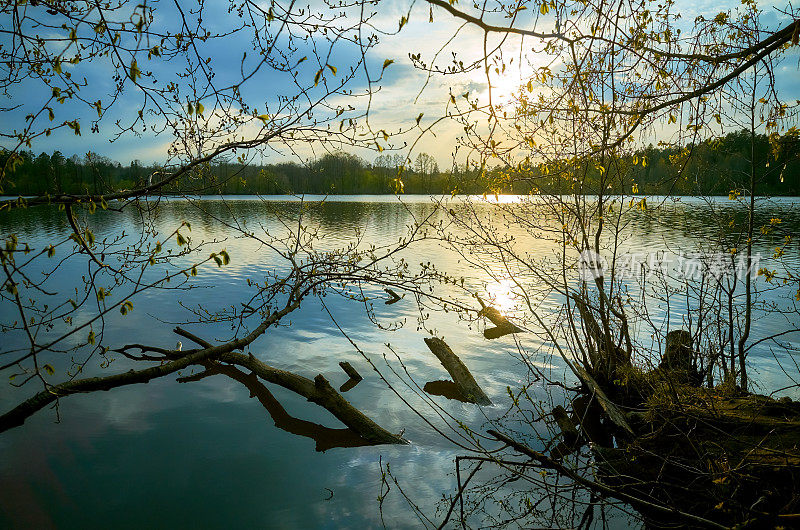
(175, 79)
(604, 76)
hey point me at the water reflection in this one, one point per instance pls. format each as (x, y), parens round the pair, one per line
(190, 439)
(445, 388)
(324, 437)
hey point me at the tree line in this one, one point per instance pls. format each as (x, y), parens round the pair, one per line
(717, 166)
(709, 167)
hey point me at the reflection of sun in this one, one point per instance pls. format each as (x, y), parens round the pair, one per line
(501, 295)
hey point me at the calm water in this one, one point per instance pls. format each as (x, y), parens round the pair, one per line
(208, 454)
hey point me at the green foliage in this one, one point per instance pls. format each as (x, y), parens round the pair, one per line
(711, 167)
(715, 168)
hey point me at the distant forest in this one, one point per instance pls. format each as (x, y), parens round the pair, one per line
(707, 168)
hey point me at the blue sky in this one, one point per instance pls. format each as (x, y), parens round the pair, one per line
(404, 91)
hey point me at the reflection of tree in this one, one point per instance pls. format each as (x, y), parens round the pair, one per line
(592, 76)
(325, 437)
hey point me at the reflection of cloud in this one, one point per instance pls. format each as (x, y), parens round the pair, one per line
(325, 437)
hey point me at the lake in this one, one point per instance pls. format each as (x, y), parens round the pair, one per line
(208, 453)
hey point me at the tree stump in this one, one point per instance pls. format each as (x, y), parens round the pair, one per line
(678, 351)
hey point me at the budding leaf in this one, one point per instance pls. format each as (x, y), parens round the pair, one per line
(133, 72)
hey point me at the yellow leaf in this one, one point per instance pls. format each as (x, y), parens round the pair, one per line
(133, 72)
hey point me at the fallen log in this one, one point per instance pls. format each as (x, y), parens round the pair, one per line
(350, 371)
(500, 331)
(502, 325)
(318, 391)
(446, 389)
(394, 297)
(349, 385)
(458, 371)
(324, 437)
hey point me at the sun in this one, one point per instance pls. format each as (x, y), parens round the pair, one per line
(505, 83)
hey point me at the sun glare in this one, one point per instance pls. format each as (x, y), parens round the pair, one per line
(501, 295)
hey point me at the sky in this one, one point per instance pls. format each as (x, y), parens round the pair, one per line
(403, 93)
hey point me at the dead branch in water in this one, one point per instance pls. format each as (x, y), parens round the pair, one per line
(458, 371)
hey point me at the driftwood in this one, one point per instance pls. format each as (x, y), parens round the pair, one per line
(349, 385)
(447, 389)
(318, 391)
(394, 297)
(458, 371)
(502, 325)
(179, 361)
(355, 377)
(324, 437)
(349, 370)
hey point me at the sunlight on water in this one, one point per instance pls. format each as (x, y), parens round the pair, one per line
(501, 295)
(260, 442)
